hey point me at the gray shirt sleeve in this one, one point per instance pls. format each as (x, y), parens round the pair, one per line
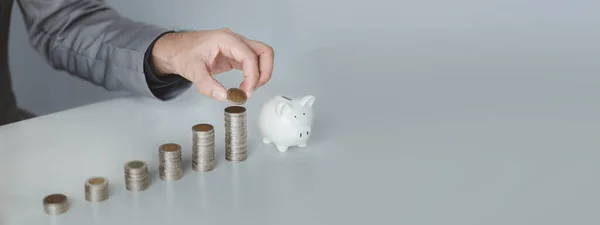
(89, 39)
(167, 86)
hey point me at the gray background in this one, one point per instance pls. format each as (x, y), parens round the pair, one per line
(409, 38)
(448, 113)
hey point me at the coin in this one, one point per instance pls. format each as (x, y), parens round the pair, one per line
(55, 204)
(136, 175)
(170, 163)
(55, 199)
(203, 127)
(203, 147)
(169, 147)
(236, 96)
(235, 111)
(96, 189)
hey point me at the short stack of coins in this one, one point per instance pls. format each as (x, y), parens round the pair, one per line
(136, 175)
(55, 204)
(203, 147)
(96, 189)
(170, 163)
(235, 134)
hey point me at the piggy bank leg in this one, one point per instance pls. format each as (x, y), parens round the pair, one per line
(266, 141)
(282, 148)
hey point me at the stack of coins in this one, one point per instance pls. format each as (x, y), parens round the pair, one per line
(96, 189)
(235, 133)
(203, 147)
(170, 162)
(55, 204)
(136, 176)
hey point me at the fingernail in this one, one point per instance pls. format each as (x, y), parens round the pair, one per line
(219, 95)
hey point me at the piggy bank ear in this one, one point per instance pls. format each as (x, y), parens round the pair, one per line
(307, 101)
(281, 108)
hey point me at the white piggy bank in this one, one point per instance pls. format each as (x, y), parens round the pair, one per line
(286, 122)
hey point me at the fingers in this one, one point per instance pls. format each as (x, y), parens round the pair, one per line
(237, 49)
(266, 58)
(254, 58)
(206, 83)
(235, 65)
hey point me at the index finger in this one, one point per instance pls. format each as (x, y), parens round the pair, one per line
(238, 50)
(266, 57)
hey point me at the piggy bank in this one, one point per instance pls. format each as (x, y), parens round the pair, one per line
(286, 122)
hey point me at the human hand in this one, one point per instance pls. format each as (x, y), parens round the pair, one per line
(197, 55)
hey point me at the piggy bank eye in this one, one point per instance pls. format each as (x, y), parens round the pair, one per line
(304, 114)
(294, 116)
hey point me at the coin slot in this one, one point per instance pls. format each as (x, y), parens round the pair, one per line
(135, 164)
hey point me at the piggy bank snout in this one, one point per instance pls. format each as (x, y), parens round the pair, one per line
(304, 132)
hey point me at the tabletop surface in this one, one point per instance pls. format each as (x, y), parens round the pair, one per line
(482, 135)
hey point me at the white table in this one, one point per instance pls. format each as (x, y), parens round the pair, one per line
(458, 137)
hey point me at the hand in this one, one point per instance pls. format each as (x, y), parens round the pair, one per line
(197, 55)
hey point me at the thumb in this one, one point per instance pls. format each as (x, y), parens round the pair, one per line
(207, 85)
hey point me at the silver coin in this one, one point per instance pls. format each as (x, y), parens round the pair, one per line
(235, 133)
(96, 189)
(136, 175)
(55, 204)
(203, 147)
(203, 167)
(170, 166)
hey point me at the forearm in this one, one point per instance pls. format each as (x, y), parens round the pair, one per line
(88, 39)
(162, 81)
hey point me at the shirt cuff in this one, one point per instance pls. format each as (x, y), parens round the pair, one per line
(163, 87)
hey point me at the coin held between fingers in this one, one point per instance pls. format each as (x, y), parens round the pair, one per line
(236, 96)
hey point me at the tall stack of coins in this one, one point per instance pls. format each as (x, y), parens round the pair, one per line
(203, 147)
(235, 133)
(170, 162)
(96, 189)
(55, 204)
(136, 175)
